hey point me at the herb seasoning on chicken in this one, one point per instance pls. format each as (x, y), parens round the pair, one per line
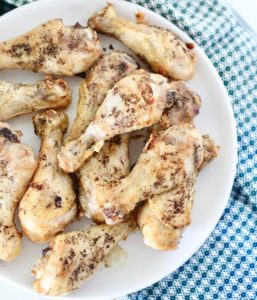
(49, 204)
(17, 165)
(18, 99)
(52, 48)
(161, 48)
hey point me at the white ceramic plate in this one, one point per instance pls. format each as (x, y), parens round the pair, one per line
(144, 266)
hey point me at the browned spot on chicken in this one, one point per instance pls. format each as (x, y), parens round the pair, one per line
(58, 201)
(190, 46)
(44, 251)
(37, 186)
(8, 134)
(122, 67)
(20, 49)
(140, 17)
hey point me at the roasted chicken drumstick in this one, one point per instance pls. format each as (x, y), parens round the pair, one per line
(173, 208)
(17, 165)
(163, 217)
(99, 80)
(49, 204)
(136, 101)
(155, 234)
(169, 158)
(100, 175)
(161, 48)
(52, 48)
(107, 167)
(17, 99)
(101, 172)
(73, 257)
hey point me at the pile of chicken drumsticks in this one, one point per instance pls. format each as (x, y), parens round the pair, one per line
(115, 98)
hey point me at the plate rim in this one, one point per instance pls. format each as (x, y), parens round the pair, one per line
(234, 156)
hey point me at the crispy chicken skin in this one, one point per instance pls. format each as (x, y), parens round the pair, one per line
(52, 48)
(17, 165)
(211, 151)
(136, 101)
(156, 235)
(73, 257)
(93, 195)
(99, 80)
(163, 217)
(17, 99)
(187, 104)
(107, 167)
(100, 173)
(168, 159)
(161, 48)
(49, 204)
(173, 208)
(103, 171)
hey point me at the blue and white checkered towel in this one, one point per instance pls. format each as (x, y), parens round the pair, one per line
(225, 267)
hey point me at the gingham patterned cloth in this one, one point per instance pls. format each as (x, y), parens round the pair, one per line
(225, 267)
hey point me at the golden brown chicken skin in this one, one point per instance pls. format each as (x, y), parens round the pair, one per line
(168, 159)
(73, 257)
(100, 173)
(52, 48)
(18, 99)
(161, 48)
(136, 101)
(107, 167)
(17, 165)
(163, 217)
(186, 106)
(49, 204)
(107, 71)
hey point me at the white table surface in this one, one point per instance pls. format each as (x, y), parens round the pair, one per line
(247, 9)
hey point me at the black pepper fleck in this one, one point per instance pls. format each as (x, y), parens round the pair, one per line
(58, 201)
